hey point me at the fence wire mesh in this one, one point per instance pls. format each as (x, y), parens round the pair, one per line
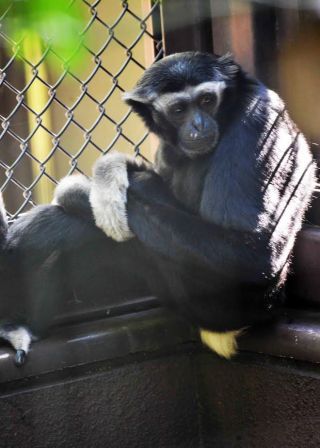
(57, 121)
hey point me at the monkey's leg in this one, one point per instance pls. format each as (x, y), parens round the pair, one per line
(33, 313)
(20, 337)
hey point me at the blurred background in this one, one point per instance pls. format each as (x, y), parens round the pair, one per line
(65, 65)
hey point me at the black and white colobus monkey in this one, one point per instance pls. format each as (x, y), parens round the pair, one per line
(214, 219)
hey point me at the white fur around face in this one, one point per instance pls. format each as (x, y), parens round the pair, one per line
(190, 93)
(108, 196)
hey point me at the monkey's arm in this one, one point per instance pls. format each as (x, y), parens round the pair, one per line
(160, 223)
(138, 202)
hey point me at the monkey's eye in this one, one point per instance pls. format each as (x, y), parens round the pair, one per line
(178, 109)
(208, 99)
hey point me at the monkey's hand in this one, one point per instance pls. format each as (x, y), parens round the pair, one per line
(108, 194)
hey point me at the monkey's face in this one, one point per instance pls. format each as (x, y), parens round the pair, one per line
(190, 117)
(179, 99)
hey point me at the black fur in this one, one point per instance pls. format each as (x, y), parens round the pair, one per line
(53, 257)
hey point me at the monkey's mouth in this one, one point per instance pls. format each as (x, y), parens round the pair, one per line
(200, 146)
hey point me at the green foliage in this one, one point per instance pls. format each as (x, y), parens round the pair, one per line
(56, 22)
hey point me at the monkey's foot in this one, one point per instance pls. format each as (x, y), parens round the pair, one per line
(224, 344)
(20, 338)
(20, 357)
(72, 193)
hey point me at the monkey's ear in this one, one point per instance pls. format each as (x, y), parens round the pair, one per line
(228, 66)
(141, 102)
(138, 95)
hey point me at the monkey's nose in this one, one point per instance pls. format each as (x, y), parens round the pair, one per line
(198, 123)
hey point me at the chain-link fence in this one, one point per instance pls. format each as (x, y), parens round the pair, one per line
(58, 116)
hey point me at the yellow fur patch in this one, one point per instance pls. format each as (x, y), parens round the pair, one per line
(224, 344)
